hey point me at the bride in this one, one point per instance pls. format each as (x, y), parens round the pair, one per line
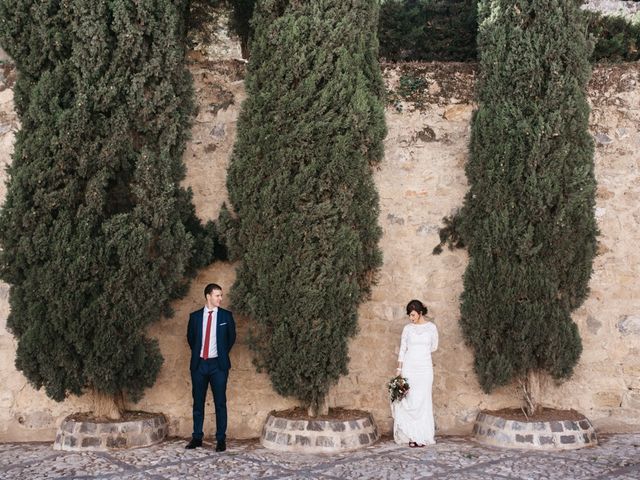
(413, 415)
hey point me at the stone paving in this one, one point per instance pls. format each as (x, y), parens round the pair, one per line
(617, 457)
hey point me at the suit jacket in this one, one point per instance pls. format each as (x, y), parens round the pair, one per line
(225, 336)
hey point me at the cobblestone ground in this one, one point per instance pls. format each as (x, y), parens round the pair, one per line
(617, 457)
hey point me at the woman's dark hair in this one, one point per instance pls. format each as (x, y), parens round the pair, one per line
(416, 306)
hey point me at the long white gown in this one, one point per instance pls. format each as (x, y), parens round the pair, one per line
(413, 415)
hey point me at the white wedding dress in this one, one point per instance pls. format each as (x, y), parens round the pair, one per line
(413, 415)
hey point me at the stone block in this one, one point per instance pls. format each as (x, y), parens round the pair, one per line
(303, 440)
(556, 427)
(499, 422)
(297, 425)
(90, 442)
(109, 428)
(585, 424)
(280, 423)
(129, 427)
(629, 325)
(567, 439)
(324, 441)
(349, 442)
(271, 436)
(518, 426)
(458, 113)
(88, 427)
(364, 439)
(119, 441)
(546, 439)
(354, 425)
(524, 438)
(337, 426)
(539, 426)
(315, 426)
(70, 441)
(366, 423)
(569, 425)
(283, 438)
(149, 424)
(69, 426)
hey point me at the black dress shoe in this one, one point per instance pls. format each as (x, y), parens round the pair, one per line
(194, 443)
(221, 446)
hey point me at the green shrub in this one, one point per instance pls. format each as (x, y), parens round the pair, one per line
(528, 218)
(445, 30)
(300, 183)
(97, 234)
(617, 38)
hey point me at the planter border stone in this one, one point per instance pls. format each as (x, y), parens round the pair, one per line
(491, 429)
(87, 435)
(318, 436)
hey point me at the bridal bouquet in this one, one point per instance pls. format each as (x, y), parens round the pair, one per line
(398, 388)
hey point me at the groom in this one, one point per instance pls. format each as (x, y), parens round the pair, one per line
(211, 334)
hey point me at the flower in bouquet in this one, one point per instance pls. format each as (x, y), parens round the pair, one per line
(398, 388)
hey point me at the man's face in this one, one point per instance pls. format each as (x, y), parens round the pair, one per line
(214, 299)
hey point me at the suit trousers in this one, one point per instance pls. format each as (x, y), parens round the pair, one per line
(207, 374)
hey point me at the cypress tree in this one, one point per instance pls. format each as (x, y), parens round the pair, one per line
(302, 191)
(97, 235)
(528, 217)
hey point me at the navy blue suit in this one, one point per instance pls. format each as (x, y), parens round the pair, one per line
(213, 371)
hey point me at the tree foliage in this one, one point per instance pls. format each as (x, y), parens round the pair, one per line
(301, 187)
(528, 217)
(445, 30)
(617, 38)
(97, 235)
(440, 30)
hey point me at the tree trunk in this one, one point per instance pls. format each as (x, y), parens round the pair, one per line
(532, 393)
(321, 408)
(107, 406)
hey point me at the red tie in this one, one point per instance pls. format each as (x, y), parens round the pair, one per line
(207, 336)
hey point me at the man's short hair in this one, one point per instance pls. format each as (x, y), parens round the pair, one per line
(210, 288)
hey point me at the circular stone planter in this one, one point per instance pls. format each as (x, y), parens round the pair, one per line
(534, 435)
(318, 436)
(140, 430)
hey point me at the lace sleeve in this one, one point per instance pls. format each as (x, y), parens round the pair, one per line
(403, 344)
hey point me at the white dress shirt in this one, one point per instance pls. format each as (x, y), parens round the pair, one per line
(213, 346)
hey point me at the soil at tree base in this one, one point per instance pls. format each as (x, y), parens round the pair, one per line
(298, 413)
(127, 416)
(546, 415)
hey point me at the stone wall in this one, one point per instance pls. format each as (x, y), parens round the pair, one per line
(625, 8)
(420, 181)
